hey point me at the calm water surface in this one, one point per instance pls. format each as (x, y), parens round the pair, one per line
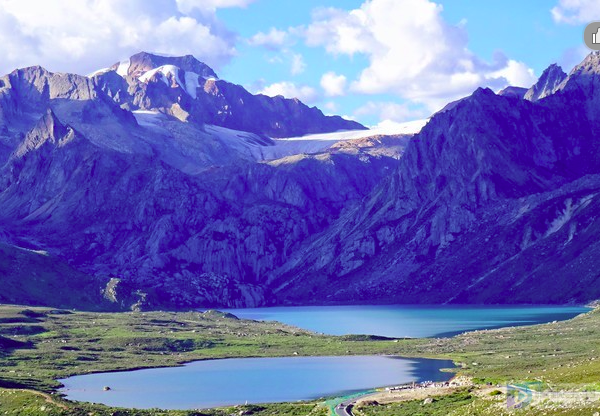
(213, 383)
(408, 321)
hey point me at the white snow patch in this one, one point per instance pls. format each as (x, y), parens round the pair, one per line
(149, 118)
(164, 55)
(562, 218)
(253, 146)
(248, 144)
(192, 83)
(309, 144)
(566, 214)
(98, 72)
(388, 127)
(284, 148)
(234, 135)
(316, 143)
(40, 252)
(385, 128)
(164, 70)
(334, 136)
(123, 68)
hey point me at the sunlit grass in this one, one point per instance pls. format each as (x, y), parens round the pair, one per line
(49, 345)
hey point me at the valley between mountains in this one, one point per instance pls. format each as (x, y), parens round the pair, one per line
(154, 184)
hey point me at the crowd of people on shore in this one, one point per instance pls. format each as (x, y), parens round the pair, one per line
(424, 385)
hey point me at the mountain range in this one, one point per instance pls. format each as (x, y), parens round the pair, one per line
(154, 184)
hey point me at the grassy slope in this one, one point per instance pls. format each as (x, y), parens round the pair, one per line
(57, 345)
(28, 277)
(560, 353)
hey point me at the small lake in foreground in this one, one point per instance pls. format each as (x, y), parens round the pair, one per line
(400, 321)
(213, 383)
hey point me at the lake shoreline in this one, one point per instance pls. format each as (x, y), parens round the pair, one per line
(126, 390)
(399, 321)
(391, 339)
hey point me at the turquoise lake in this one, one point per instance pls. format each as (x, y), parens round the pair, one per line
(213, 383)
(400, 321)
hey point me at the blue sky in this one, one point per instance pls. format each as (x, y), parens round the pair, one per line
(524, 31)
(371, 60)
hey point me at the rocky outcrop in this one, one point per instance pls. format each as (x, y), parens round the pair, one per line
(143, 62)
(516, 92)
(48, 130)
(547, 84)
(378, 145)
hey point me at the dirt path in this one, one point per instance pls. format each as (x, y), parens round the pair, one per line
(48, 398)
(409, 394)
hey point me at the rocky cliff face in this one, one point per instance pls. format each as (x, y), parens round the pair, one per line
(547, 84)
(517, 92)
(493, 195)
(184, 241)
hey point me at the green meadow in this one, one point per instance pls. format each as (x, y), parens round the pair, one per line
(40, 345)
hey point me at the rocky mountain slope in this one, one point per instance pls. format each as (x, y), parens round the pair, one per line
(155, 209)
(152, 184)
(496, 200)
(548, 83)
(39, 279)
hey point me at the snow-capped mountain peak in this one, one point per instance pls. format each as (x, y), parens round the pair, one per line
(173, 76)
(184, 87)
(165, 72)
(143, 62)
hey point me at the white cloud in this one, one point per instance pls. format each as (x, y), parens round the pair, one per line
(304, 93)
(393, 127)
(83, 35)
(280, 41)
(333, 84)
(186, 6)
(412, 51)
(298, 64)
(576, 11)
(573, 56)
(273, 39)
(516, 74)
(277, 59)
(390, 111)
(340, 31)
(331, 106)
